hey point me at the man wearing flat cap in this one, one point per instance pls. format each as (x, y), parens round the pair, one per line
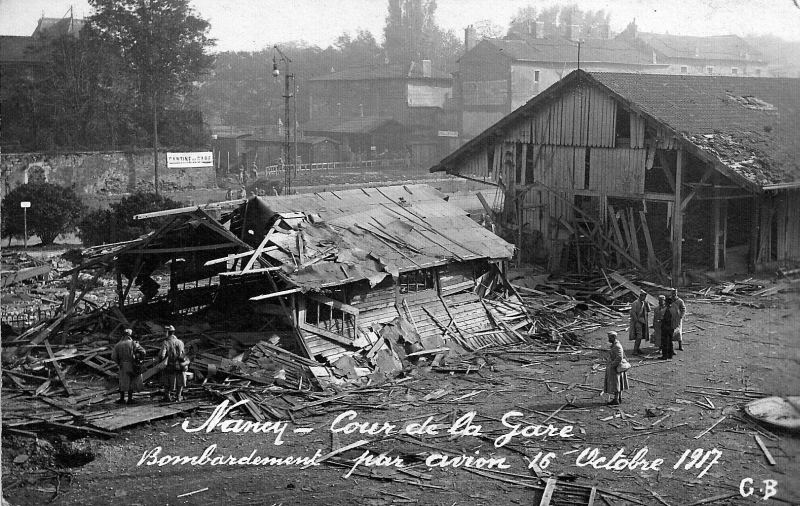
(124, 354)
(174, 373)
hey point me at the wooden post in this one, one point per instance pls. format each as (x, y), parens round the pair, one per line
(753, 244)
(715, 204)
(677, 221)
(724, 221)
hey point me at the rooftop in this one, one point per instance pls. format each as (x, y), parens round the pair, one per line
(748, 124)
(559, 50)
(374, 232)
(382, 71)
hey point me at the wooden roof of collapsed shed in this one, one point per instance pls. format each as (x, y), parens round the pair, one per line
(341, 237)
(745, 126)
(317, 240)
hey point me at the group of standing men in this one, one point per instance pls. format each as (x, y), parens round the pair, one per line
(667, 323)
(129, 354)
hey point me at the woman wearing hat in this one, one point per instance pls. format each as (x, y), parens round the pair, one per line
(616, 370)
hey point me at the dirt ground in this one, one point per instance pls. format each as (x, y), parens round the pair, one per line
(726, 347)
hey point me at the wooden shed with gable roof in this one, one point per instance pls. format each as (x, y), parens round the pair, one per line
(649, 171)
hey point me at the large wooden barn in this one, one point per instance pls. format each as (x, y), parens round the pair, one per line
(651, 171)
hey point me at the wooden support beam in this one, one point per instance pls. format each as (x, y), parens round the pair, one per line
(677, 221)
(263, 246)
(57, 367)
(634, 236)
(228, 204)
(579, 211)
(486, 206)
(334, 303)
(615, 228)
(251, 271)
(275, 294)
(229, 257)
(715, 214)
(652, 261)
(662, 161)
(325, 333)
(186, 249)
(708, 173)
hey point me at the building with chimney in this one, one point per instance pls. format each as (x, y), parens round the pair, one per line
(496, 76)
(718, 55)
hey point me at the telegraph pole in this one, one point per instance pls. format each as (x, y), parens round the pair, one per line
(288, 93)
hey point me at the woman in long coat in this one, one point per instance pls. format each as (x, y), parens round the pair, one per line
(615, 382)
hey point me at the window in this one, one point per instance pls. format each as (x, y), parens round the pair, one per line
(709, 69)
(325, 315)
(684, 69)
(416, 281)
(536, 76)
(734, 71)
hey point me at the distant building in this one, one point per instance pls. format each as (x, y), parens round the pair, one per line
(234, 152)
(720, 55)
(496, 76)
(352, 103)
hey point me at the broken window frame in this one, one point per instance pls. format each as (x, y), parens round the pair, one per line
(331, 315)
(417, 281)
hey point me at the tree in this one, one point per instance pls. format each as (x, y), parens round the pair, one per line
(163, 44)
(554, 19)
(54, 210)
(361, 50)
(103, 226)
(411, 32)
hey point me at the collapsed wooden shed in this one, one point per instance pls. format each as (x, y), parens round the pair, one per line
(649, 171)
(335, 270)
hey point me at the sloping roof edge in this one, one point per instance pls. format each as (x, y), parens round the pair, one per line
(575, 77)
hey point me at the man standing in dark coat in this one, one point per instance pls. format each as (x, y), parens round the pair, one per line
(124, 354)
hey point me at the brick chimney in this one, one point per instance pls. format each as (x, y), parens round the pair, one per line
(427, 69)
(470, 37)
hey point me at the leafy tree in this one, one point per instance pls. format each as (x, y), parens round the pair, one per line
(557, 17)
(411, 34)
(361, 50)
(54, 210)
(163, 44)
(103, 226)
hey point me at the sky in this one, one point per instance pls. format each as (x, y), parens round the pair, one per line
(255, 24)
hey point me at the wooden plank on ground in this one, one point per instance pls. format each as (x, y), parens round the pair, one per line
(134, 415)
(764, 449)
(622, 280)
(548, 492)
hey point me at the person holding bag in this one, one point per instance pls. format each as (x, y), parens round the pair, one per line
(127, 354)
(616, 379)
(173, 355)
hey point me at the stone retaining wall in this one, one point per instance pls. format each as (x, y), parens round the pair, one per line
(101, 173)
